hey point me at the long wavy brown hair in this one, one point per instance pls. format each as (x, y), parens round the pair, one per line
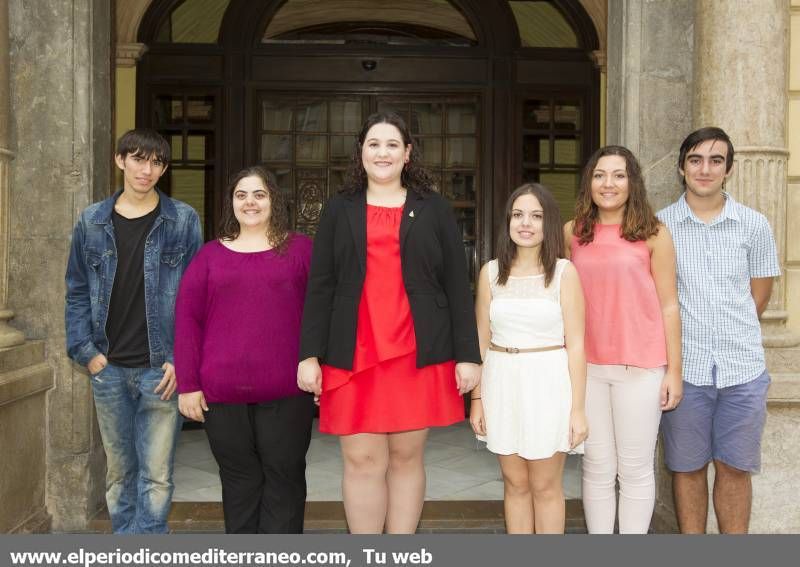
(414, 177)
(553, 243)
(278, 225)
(638, 223)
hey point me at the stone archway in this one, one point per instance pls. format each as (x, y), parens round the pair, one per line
(129, 14)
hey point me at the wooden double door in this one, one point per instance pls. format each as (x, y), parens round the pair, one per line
(307, 140)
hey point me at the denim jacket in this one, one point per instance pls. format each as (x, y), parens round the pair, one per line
(174, 238)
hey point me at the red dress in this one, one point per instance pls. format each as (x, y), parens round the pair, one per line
(386, 392)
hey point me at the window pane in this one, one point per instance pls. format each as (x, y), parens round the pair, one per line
(461, 119)
(431, 151)
(199, 146)
(336, 180)
(189, 186)
(540, 24)
(437, 179)
(460, 152)
(536, 115)
(176, 146)
(284, 178)
(567, 151)
(567, 116)
(563, 186)
(276, 115)
(169, 109)
(341, 147)
(400, 108)
(345, 116)
(193, 21)
(460, 186)
(426, 118)
(465, 217)
(312, 117)
(536, 149)
(200, 109)
(414, 22)
(276, 147)
(312, 149)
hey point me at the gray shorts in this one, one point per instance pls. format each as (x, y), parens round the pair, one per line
(724, 424)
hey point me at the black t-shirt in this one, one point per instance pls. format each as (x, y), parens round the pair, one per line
(126, 326)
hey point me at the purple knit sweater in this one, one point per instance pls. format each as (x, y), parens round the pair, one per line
(237, 322)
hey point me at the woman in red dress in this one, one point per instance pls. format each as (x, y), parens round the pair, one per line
(389, 341)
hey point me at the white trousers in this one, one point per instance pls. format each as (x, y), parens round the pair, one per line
(623, 411)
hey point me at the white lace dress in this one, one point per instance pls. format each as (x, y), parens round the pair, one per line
(527, 397)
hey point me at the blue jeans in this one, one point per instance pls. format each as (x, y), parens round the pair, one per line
(139, 432)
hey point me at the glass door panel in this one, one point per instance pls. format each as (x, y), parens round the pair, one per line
(446, 130)
(551, 148)
(426, 118)
(307, 142)
(188, 121)
(188, 184)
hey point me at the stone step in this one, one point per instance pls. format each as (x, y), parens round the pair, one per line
(16, 357)
(438, 516)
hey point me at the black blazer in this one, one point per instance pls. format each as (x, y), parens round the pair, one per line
(434, 274)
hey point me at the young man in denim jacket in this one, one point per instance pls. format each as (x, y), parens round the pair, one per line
(127, 256)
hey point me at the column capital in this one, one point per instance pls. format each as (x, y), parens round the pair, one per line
(599, 57)
(128, 54)
(766, 150)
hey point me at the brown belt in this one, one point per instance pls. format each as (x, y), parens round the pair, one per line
(512, 350)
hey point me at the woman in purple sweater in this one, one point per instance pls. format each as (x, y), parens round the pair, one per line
(237, 333)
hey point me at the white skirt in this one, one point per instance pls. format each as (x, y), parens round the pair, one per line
(527, 400)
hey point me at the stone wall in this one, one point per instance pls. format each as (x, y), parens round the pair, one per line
(61, 109)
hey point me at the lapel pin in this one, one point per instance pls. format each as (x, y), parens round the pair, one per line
(411, 214)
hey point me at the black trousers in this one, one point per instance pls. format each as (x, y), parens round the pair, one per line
(261, 453)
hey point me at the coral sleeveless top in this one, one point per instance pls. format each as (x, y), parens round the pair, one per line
(623, 314)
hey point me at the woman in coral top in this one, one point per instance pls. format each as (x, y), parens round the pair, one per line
(626, 263)
(388, 340)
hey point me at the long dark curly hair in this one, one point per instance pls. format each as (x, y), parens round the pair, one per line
(278, 225)
(552, 244)
(413, 177)
(638, 223)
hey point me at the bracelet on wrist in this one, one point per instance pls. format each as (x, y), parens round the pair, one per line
(473, 399)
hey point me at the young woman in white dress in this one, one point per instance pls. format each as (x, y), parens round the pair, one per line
(529, 407)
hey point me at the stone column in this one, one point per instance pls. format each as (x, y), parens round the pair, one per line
(740, 73)
(8, 335)
(61, 107)
(649, 62)
(25, 377)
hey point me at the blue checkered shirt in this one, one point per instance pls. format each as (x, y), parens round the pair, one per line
(719, 322)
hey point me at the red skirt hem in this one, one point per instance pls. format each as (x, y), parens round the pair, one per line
(390, 396)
